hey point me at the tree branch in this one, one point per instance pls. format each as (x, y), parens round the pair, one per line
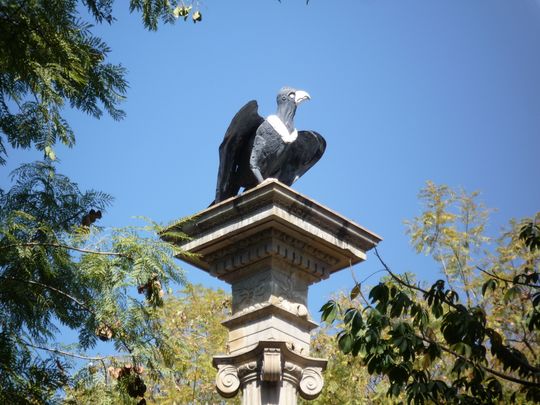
(494, 372)
(485, 368)
(72, 298)
(51, 288)
(411, 286)
(63, 353)
(506, 280)
(62, 246)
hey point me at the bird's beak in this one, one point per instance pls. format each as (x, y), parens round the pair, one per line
(301, 96)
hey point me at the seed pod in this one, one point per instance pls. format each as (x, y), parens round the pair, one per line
(114, 372)
(92, 368)
(104, 332)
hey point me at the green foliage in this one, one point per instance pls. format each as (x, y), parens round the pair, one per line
(50, 60)
(451, 230)
(530, 234)
(194, 318)
(55, 270)
(56, 267)
(25, 378)
(430, 346)
(346, 380)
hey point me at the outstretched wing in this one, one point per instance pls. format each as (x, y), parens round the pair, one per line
(304, 152)
(241, 129)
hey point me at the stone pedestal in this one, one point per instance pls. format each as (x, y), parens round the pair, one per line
(270, 244)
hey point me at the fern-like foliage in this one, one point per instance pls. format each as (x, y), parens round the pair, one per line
(104, 283)
(49, 59)
(24, 378)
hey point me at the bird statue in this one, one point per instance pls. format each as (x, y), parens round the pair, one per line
(255, 149)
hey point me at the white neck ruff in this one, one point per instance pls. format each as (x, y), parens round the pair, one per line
(281, 129)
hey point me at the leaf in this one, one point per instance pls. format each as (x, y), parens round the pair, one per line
(530, 235)
(329, 311)
(345, 342)
(491, 284)
(399, 374)
(379, 294)
(462, 349)
(400, 302)
(434, 351)
(512, 293)
(420, 315)
(534, 321)
(353, 318)
(536, 299)
(437, 310)
(355, 291)
(359, 347)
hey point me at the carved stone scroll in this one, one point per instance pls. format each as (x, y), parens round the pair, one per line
(227, 381)
(311, 383)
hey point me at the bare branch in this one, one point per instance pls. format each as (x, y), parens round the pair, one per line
(411, 286)
(63, 353)
(62, 246)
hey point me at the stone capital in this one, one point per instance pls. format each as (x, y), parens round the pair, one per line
(273, 364)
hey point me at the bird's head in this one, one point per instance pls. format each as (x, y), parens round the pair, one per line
(288, 95)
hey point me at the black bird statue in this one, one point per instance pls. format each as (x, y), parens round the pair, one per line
(255, 149)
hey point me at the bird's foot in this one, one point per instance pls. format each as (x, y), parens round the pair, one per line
(269, 180)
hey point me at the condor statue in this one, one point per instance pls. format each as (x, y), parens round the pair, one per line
(255, 149)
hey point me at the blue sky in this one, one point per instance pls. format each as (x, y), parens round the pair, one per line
(403, 91)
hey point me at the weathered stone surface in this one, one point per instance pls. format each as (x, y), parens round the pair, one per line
(270, 244)
(268, 322)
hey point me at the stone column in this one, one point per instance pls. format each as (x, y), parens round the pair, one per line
(270, 244)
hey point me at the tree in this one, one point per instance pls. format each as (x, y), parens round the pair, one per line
(56, 266)
(55, 270)
(191, 325)
(49, 59)
(431, 346)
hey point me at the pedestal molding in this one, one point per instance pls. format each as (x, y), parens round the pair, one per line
(274, 193)
(264, 309)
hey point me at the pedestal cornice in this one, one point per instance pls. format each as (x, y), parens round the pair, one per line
(319, 231)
